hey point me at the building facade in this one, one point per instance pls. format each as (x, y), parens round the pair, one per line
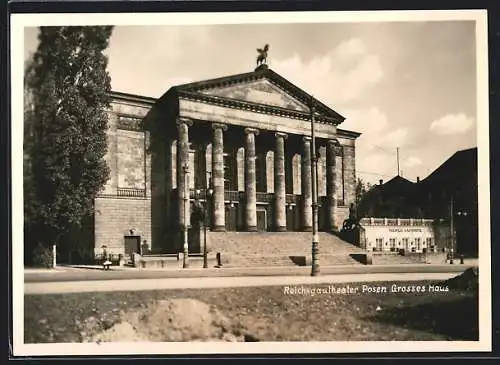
(395, 234)
(447, 196)
(240, 145)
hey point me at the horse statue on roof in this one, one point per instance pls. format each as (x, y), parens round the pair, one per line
(262, 57)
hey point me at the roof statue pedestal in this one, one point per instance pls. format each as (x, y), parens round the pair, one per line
(261, 67)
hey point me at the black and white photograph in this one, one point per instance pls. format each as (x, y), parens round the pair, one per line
(313, 182)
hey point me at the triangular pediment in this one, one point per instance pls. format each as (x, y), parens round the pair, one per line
(261, 92)
(261, 88)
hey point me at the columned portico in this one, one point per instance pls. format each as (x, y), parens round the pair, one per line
(306, 184)
(279, 183)
(219, 223)
(250, 183)
(251, 133)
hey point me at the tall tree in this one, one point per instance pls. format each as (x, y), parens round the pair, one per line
(69, 92)
(362, 188)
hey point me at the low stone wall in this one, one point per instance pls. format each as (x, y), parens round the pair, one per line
(171, 261)
(395, 258)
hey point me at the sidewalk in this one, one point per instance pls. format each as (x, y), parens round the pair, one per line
(72, 274)
(81, 268)
(221, 282)
(259, 270)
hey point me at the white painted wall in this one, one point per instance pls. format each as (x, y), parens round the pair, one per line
(384, 233)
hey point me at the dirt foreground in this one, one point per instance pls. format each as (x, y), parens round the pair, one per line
(249, 314)
(179, 319)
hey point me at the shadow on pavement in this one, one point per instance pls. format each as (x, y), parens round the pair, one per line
(86, 267)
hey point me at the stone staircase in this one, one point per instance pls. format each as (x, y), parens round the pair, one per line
(265, 249)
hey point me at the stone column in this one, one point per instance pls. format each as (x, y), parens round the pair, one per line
(279, 183)
(306, 182)
(331, 152)
(250, 184)
(219, 215)
(183, 178)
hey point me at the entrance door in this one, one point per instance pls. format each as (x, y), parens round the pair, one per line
(132, 245)
(261, 220)
(290, 218)
(322, 214)
(231, 218)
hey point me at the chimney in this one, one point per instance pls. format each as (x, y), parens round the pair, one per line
(381, 181)
(418, 179)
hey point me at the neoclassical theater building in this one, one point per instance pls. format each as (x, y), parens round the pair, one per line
(240, 145)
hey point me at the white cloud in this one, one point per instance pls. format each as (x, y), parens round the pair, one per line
(350, 48)
(396, 138)
(374, 160)
(368, 161)
(452, 124)
(368, 122)
(342, 74)
(365, 73)
(412, 161)
(374, 165)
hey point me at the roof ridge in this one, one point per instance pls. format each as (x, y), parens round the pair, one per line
(298, 93)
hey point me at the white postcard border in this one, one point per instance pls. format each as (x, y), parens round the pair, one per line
(19, 21)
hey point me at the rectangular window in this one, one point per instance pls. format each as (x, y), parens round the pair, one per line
(260, 173)
(392, 243)
(228, 172)
(380, 243)
(406, 245)
(418, 244)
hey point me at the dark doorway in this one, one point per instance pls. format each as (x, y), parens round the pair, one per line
(231, 217)
(322, 213)
(261, 220)
(291, 218)
(132, 245)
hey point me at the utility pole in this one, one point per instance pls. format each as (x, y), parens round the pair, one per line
(314, 177)
(452, 230)
(397, 153)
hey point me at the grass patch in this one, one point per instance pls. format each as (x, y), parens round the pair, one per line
(270, 315)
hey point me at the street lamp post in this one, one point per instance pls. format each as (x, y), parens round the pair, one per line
(314, 170)
(462, 214)
(208, 195)
(185, 259)
(452, 229)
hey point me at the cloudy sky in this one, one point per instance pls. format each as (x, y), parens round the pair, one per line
(410, 85)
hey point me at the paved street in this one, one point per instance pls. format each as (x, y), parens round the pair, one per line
(94, 274)
(221, 282)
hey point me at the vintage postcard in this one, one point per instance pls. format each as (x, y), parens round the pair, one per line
(307, 182)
